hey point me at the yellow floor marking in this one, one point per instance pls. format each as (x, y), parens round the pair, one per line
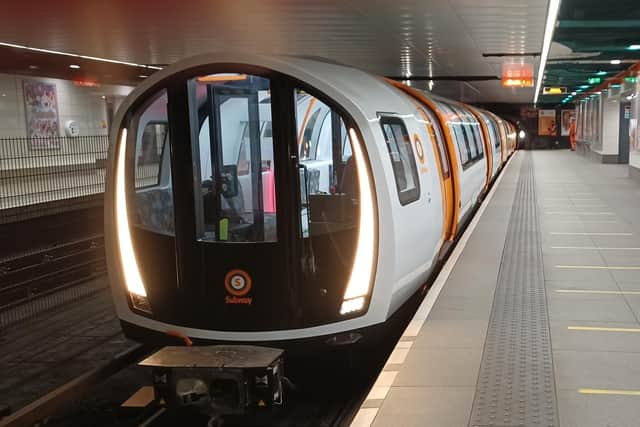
(609, 392)
(595, 248)
(587, 233)
(596, 267)
(601, 329)
(578, 213)
(589, 291)
(364, 417)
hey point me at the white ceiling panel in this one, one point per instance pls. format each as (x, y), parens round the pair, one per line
(423, 38)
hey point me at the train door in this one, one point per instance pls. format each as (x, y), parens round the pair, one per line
(444, 167)
(238, 261)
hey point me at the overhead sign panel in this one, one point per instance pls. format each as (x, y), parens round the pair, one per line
(549, 90)
(517, 75)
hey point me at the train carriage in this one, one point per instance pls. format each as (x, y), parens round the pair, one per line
(273, 199)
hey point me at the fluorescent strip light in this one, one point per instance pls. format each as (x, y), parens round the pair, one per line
(552, 15)
(74, 55)
(615, 61)
(634, 47)
(360, 280)
(128, 262)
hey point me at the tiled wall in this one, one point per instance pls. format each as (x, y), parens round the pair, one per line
(81, 104)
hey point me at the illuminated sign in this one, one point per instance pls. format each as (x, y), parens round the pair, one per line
(594, 80)
(630, 79)
(86, 83)
(517, 75)
(547, 90)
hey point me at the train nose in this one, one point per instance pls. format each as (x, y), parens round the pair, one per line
(236, 217)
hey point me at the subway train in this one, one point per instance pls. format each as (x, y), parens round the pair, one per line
(283, 200)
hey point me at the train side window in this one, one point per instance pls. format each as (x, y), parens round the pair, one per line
(152, 168)
(496, 134)
(401, 154)
(475, 125)
(453, 122)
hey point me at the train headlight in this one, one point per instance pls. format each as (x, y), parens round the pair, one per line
(128, 263)
(358, 287)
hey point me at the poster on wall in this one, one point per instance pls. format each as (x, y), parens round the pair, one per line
(41, 114)
(567, 116)
(547, 123)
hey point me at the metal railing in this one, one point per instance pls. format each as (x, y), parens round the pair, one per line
(35, 173)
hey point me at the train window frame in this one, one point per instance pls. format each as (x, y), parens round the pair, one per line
(438, 135)
(165, 142)
(496, 133)
(463, 149)
(132, 193)
(405, 196)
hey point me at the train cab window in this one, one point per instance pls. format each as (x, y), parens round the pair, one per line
(152, 169)
(404, 166)
(232, 146)
(328, 180)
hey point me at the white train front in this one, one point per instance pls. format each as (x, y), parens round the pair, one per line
(276, 199)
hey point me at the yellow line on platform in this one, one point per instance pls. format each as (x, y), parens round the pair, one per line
(587, 233)
(589, 291)
(609, 392)
(601, 329)
(595, 248)
(595, 267)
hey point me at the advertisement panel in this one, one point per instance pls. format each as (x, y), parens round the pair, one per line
(41, 114)
(547, 123)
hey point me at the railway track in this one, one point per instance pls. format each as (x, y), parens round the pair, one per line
(27, 279)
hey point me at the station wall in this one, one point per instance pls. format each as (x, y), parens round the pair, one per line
(84, 105)
(634, 133)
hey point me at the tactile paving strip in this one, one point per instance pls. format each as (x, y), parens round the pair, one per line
(516, 383)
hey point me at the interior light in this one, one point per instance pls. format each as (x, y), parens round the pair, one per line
(634, 47)
(222, 77)
(615, 61)
(132, 277)
(359, 283)
(74, 66)
(521, 134)
(75, 55)
(552, 14)
(142, 76)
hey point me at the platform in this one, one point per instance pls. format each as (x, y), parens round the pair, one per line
(534, 320)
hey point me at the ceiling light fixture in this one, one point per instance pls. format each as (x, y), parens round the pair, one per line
(615, 61)
(74, 66)
(552, 15)
(634, 47)
(92, 58)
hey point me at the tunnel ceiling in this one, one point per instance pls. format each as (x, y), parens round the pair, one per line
(441, 38)
(592, 33)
